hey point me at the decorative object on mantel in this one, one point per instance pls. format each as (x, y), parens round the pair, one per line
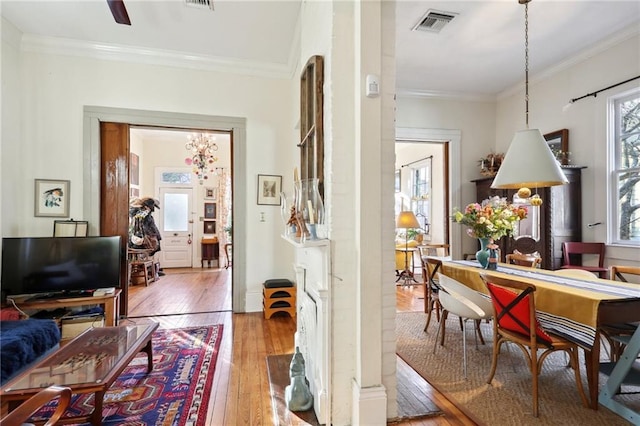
(490, 164)
(297, 394)
(309, 210)
(202, 147)
(529, 161)
(493, 219)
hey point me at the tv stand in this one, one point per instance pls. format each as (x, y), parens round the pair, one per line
(61, 295)
(109, 303)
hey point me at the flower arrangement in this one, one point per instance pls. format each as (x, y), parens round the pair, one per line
(490, 164)
(494, 218)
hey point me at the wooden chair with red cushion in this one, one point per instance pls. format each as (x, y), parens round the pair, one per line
(515, 321)
(36, 402)
(573, 253)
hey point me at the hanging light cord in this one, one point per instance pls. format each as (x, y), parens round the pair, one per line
(526, 60)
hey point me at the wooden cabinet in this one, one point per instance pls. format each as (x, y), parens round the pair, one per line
(560, 218)
(210, 251)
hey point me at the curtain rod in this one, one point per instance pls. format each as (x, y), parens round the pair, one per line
(594, 94)
(417, 161)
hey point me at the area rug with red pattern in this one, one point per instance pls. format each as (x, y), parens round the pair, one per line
(175, 393)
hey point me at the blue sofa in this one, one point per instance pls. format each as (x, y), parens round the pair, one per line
(24, 341)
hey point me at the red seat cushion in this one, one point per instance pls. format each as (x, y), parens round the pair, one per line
(501, 297)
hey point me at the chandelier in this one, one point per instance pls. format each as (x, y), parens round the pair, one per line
(201, 148)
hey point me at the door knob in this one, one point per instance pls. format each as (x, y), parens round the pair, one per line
(175, 234)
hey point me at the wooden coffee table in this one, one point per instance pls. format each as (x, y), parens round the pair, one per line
(90, 363)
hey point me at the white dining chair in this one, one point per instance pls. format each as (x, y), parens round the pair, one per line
(468, 304)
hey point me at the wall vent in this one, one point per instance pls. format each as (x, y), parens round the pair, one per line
(434, 21)
(202, 4)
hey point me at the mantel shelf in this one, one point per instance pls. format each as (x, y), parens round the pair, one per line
(311, 243)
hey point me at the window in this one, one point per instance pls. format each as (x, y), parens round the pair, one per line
(421, 195)
(625, 173)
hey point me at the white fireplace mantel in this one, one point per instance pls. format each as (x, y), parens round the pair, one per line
(312, 266)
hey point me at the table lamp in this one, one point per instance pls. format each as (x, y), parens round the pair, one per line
(407, 220)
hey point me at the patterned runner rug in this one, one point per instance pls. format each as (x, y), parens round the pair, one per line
(175, 393)
(508, 400)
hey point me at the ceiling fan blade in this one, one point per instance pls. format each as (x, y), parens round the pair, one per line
(119, 12)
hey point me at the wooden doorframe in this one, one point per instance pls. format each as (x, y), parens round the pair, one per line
(93, 175)
(451, 139)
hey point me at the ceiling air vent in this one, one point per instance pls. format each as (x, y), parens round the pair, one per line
(203, 4)
(434, 21)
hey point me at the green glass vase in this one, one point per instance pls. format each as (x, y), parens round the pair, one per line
(482, 255)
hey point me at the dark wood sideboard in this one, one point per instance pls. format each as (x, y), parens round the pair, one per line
(560, 217)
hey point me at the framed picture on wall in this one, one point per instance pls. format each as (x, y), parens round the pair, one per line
(209, 227)
(134, 169)
(397, 180)
(209, 210)
(559, 143)
(52, 198)
(269, 187)
(209, 193)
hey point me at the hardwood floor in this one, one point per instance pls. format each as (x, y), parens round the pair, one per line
(240, 394)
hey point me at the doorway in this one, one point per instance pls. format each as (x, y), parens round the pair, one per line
(176, 227)
(94, 188)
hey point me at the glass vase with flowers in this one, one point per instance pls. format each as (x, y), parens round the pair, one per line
(488, 221)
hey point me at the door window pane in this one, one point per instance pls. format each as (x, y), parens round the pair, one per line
(176, 212)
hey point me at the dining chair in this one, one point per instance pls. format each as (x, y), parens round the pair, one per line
(616, 334)
(576, 273)
(515, 321)
(26, 409)
(458, 299)
(430, 268)
(520, 259)
(573, 256)
(625, 273)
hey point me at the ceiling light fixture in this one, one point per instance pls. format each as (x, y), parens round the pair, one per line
(201, 148)
(529, 161)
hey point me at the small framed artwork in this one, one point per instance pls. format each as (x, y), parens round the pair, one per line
(209, 210)
(209, 193)
(52, 198)
(209, 227)
(559, 143)
(269, 187)
(397, 180)
(134, 169)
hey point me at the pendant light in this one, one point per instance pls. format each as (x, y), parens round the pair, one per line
(529, 161)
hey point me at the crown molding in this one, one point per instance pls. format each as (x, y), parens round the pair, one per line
(435, 94)
(113, 52)
(10, 34)
(619, 37)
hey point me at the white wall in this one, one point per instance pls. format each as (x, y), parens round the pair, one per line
(476, 121)
(586, 121)
(52, 93)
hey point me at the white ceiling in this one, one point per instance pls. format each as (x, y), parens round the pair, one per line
(480, 53)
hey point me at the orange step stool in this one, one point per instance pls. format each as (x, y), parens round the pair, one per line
(279, 295)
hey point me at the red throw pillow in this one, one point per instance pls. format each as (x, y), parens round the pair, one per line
(519, 311)
(9, 314)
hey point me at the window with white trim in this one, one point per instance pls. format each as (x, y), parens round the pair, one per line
(625, 169)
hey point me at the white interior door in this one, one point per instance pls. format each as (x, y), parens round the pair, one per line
(176, 227)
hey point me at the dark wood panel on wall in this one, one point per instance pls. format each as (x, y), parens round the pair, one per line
(114, 192)
(560, 217)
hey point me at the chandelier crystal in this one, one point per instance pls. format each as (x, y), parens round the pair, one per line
(201, 147)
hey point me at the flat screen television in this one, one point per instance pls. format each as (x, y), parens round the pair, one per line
(59, 267)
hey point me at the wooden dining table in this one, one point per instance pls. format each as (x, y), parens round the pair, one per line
(570, 307)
